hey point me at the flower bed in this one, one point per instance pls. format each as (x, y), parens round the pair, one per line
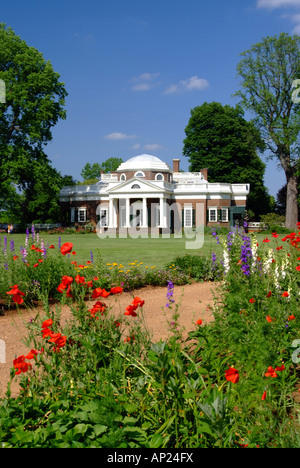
(101, 382)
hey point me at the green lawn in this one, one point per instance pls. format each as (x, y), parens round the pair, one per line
(150, 251)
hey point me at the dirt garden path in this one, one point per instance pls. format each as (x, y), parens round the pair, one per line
(194, 301)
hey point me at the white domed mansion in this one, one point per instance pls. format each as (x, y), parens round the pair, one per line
(145, 193)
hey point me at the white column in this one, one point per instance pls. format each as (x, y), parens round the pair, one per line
(127, 222)
(112, 213)
(145, 214)
(161, 213)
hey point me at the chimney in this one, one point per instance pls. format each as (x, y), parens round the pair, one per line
(176, 165)
(204, 173)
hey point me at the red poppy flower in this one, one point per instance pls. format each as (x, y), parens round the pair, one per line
(47, 323)
(138, 301)
(252, 300)
(116, 290)
(271, 372)
(98, 292)
(32, 354)
(264, 395)
(21, 365)
(266, 240)
(79, 279)
(17, 294)
(130, 310)
(35, 265)
(51, 246)
(298, 268)
(199, 322)
(232, 375)
(285, 294)
(66, 248)
(269, 319)
(269, 294)
(291, 317)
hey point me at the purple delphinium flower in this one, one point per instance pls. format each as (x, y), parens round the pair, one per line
(246, 255)
(59, 242)
(33, 232)
(12, 246)
(170, 293)
(92, 258)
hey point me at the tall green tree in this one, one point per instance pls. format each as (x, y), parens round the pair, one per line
(269, 71)
(33, 103)
(220, 139)
(92, 171)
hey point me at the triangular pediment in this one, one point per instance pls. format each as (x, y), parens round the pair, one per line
(136, 185)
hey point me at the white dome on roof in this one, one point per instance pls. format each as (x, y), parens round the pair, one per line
(144, 162)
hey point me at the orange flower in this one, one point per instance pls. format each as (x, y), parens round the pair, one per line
(291, 317)
(66, 248)
(232, 375)
(285, 294)
(269, 319)
(199, 322)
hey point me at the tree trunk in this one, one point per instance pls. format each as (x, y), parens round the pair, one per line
(291, 217)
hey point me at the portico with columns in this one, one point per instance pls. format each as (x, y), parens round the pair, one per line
(145, 193)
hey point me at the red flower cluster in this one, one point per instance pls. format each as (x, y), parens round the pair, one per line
(20, 363)
(101, 306)
(98, 307)
(16, 294)
(65, 285)
(130, 310)
(58, 339)
(272, 372)
(293, 238)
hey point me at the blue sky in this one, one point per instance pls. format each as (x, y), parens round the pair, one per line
(134, 69)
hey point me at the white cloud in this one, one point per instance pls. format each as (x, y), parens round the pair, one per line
(191, 84)
(136, 146)
(119, 136)
(271, 4)
(152, 147)
(145, 82)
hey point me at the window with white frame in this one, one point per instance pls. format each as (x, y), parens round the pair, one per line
(224, 215)
(188, 217)
(212, 215)
(159, 177)
(139, 174)
(82, 215)
(123, 178)
(103, 217)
